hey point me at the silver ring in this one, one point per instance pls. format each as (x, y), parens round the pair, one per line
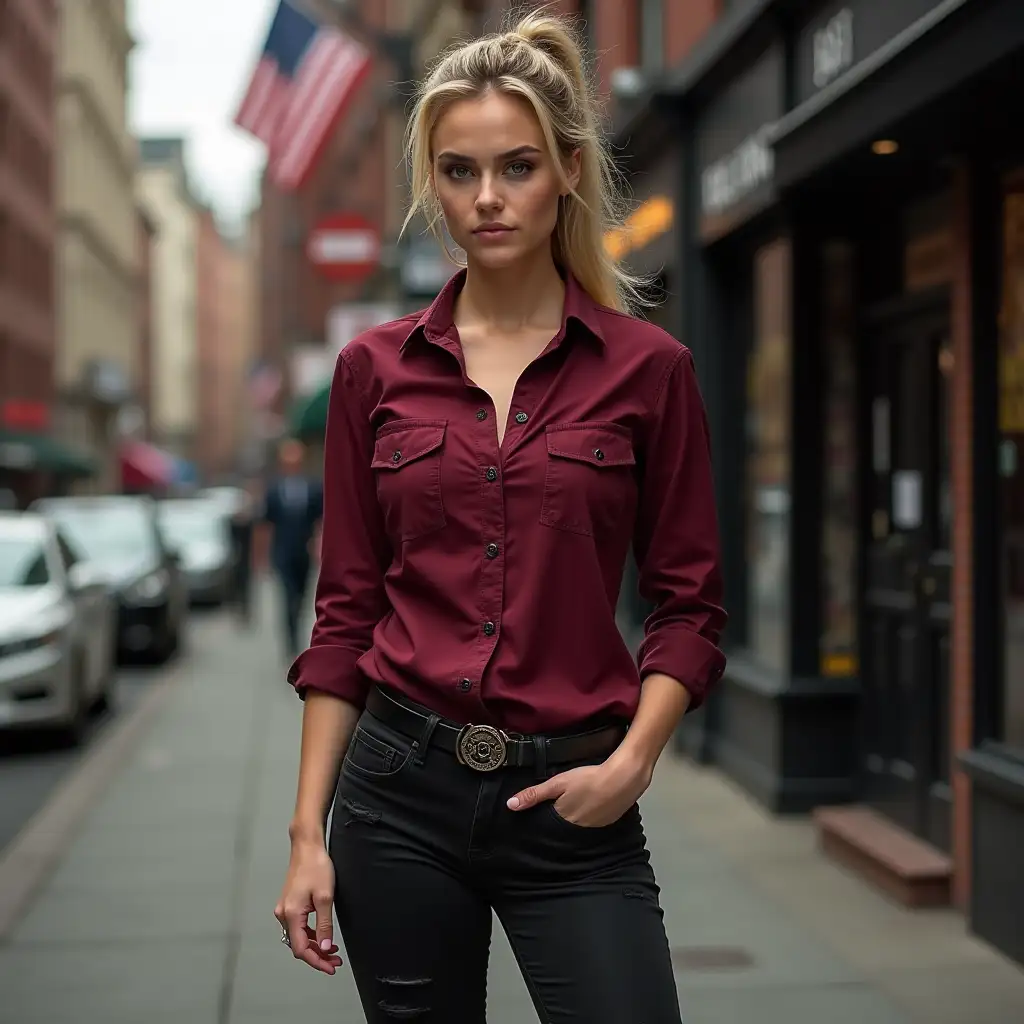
(285, 939)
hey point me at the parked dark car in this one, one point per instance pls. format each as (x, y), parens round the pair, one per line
(122, 535)
(199, 530)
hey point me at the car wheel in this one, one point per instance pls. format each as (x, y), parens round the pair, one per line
(72, 731)
(105, 698)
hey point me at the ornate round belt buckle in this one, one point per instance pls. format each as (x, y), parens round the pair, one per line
(482, 748)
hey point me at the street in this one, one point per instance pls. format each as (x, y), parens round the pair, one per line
(160, 909)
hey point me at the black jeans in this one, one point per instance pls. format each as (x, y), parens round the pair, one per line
(423, 849)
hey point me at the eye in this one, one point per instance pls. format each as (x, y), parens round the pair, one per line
(520, 168)
(455, 171)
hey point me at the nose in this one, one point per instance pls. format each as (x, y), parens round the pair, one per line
(489, 197)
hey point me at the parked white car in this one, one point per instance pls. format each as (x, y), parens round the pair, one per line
(57, 629)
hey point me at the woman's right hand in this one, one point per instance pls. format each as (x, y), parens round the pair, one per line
(309, 889)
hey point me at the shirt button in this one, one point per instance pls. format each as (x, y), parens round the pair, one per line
(481, 414)
(521, 417)
(492, 551)
(397, 457)
(489, 629)
(492, 474)
(465, 685)
(598, 454)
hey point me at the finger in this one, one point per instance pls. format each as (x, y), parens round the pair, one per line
(533, 795)
(296, 923)
(322, 903)
(313, 959)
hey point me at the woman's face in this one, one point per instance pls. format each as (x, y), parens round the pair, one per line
(496, 183)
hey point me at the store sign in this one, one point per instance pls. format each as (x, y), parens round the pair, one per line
(344, 247)
(730, 180)
(833, 48)
(650, 220)
(23, 414)
(734, 153)
(840, 35)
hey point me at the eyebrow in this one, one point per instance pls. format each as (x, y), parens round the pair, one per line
(518, 151)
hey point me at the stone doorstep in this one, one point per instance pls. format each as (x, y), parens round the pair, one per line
(897, 863)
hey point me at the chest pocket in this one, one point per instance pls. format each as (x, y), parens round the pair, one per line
(588, 481)
(407, 466)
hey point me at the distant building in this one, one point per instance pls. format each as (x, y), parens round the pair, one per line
(97, 288)
(163, 191)
(28, 43)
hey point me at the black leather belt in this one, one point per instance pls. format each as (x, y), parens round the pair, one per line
(485, 748)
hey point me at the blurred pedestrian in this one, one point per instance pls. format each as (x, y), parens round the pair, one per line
(242, 528)
(293, 507)
(487, 465)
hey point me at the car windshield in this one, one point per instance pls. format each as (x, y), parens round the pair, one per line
(23, 562)
(107, 533)
(185, 525)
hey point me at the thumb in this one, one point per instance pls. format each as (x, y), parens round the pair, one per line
(551, 789)
(324, 922)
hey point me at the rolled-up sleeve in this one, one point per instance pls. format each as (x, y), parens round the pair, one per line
(676, 542)
(355, 551)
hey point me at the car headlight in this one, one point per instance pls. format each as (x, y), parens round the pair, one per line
(149, 588)
(30, 643)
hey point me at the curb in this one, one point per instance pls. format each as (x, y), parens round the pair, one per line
(32, 856)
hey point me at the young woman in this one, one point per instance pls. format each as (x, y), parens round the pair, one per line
(488, 464)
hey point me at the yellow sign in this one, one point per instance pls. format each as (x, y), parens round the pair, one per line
(652, 218)
(837, 666)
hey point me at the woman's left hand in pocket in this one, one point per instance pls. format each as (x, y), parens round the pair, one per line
(591, 796)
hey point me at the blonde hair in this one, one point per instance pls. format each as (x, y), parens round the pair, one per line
(539, 59)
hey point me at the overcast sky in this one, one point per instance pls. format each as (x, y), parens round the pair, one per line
(189, 71)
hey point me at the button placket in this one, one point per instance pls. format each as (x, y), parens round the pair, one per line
(491, 579)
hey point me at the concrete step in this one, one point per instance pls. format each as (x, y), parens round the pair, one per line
(897, 863)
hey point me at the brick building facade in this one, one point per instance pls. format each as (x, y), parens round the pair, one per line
(28, 37)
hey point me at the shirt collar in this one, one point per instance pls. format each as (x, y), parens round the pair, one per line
(439, 318)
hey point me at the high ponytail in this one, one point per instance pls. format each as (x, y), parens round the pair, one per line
(538, 58)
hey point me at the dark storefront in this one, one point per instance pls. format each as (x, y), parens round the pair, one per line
(853, 237)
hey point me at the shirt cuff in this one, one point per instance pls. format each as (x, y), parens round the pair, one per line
(684, 655)
(330, 669)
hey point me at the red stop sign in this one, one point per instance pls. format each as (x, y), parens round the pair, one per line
(344, 247)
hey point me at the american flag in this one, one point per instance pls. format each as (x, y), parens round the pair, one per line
(306, 75)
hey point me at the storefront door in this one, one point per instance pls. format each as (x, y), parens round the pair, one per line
(906, 591)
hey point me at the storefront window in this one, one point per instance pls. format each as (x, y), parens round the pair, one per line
(768, 459)
(838, 650)
(1011, 461)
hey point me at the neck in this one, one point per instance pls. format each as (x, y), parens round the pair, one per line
(528, 294)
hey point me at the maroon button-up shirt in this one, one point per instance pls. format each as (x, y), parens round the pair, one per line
(481, 581)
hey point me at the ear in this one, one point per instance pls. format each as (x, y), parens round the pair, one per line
(572, 168)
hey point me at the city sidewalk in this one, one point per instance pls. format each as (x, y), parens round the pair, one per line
(161, 911)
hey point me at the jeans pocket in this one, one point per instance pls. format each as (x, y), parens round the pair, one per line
(375, 753)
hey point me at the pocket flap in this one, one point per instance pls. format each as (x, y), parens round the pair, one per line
(405, 441)
(600, 444)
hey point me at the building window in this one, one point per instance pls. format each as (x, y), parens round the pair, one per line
(838, 648)
(1011, 461)
(651, 35)
(768, 430)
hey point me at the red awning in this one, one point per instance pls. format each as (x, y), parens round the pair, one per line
(144, 466)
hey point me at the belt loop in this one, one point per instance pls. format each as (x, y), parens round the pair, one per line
(540, 756)
(419, 747)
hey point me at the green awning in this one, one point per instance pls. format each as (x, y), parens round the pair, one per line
(26, 451)
(308, 415)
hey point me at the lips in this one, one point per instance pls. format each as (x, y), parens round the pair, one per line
(492, 229)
